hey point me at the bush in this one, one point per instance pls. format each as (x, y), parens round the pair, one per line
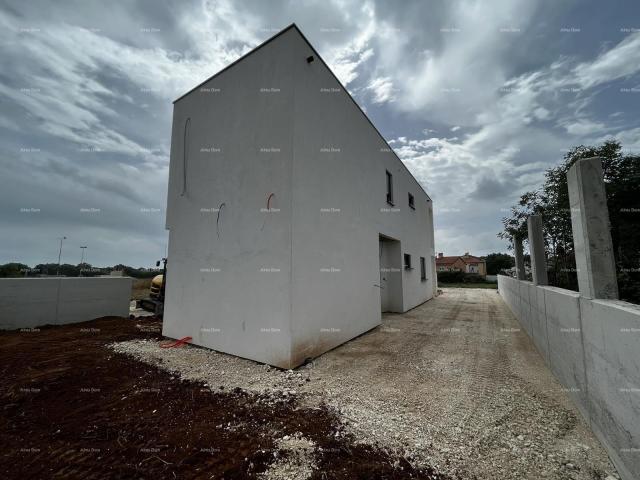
(473, 278)
(459, 277)
(451, 277)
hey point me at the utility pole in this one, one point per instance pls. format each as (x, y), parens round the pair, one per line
(82, 258)
(60, 255)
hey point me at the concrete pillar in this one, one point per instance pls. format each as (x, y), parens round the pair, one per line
(591, 230)
(517, 247)
(536, 250)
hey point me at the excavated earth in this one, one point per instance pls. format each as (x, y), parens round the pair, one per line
(73, 408)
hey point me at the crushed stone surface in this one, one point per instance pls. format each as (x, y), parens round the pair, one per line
(294, 461)
(454, 383)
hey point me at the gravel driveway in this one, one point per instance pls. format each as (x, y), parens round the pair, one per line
(454, 383)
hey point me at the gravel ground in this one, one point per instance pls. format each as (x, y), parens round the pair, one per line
(454, 383)
(295, 461)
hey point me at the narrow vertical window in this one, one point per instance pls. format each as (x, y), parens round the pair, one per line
(412, 202)
(423, 269)
(389, 188)
(407, 261)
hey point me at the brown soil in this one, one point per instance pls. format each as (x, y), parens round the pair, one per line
(72, 408)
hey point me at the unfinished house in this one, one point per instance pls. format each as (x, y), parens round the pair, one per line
(292, 223)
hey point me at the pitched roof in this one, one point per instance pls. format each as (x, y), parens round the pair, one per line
(446, 260)
(294, 26)
(450, 260)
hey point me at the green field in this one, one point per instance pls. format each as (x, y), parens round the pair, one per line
(468, 285)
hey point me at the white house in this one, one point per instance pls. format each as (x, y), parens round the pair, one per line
(292, 222)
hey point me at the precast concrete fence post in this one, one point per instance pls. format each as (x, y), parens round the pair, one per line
(536, 249)
(595, 263)
(517, 247)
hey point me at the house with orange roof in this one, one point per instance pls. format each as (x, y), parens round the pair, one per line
(463, 263)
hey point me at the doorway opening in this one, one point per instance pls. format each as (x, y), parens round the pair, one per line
(390, 274)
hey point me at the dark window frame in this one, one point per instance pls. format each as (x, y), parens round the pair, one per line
(412, 202)
(389, 178)
(407, 261)
(423, 269)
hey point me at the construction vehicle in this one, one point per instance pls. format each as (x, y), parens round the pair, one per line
(155, 302)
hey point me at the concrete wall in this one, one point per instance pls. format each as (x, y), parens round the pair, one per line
(593, 349)
(287, 284)
(33, 302)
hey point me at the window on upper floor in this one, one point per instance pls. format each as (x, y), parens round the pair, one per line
(412, 202)
(423, 269)
(389, 188)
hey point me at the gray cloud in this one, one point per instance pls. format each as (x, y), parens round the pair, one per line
(491, 189)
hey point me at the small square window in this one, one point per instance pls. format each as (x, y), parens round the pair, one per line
(389, 188)
(411, 202)
(407, 261)
(423, 269)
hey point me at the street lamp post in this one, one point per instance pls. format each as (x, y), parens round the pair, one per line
(82, 258)
(60, 255)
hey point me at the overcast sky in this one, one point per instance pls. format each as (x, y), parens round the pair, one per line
(477, 98)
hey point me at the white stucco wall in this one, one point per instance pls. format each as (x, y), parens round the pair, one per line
(228, 279)
(284, 285)
(339, 210)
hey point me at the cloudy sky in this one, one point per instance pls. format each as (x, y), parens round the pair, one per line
(477, 97)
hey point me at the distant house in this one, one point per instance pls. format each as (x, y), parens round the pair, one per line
(464, 263)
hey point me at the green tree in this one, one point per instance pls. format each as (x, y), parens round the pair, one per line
(622, 180)
(13, 270)
(497, 262)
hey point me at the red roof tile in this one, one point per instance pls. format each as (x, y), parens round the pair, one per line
(446, 260)
(450, 260)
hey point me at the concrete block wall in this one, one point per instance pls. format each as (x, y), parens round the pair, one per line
(564, 334)
(611, 335)
(593, 349)
(537, 319)
(33, 302)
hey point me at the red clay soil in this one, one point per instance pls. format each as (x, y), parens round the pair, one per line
(71, 408)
